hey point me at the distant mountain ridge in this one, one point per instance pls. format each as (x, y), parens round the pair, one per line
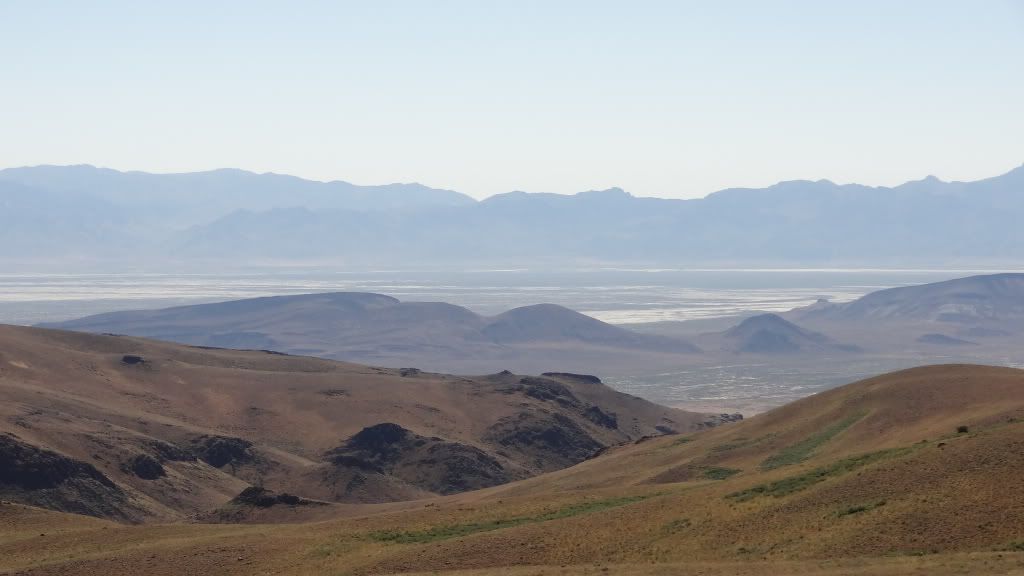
(221, 218)
(375, 328)
(984, 298)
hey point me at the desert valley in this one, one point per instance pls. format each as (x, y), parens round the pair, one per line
(462, 288)
(125, 455)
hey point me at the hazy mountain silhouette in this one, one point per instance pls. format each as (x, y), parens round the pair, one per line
(769, 333)
(970, 300)
(378, 329)
(224, 217)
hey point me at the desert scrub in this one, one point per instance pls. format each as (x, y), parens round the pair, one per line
(799, 482)
(802, 450)
(860, 508)
(677, 525)
(718, 473)
(738, 443)
(455, 530)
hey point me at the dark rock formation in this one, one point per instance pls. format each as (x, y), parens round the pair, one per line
(431, 464)
(335, 392)
(601, 418)
(131, 359)
(544, 389)
(374, 448)
(145, 466)
(552, 441)
(25, 466)
(167, 452)
(219, 451)
(719, 419)
(570, 376)
(40, 477)
(263, 498)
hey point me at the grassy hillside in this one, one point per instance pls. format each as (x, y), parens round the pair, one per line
(911, 472)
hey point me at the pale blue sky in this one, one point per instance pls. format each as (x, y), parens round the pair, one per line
(673, 99)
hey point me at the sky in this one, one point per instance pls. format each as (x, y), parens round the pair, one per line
(671, 99)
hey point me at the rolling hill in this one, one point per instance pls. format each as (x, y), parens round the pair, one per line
(141, 430)
(381, 330)
(907, 472)
(993, 298)
(772, 334)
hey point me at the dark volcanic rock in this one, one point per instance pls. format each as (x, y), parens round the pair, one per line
(601, 418)
(553, 441)
(544, 389)
(131, 359)
(373, 448)
(719, 419)
(463, 468)
(167, 452)
(25, 466)
(570, 376)
(145, 466)
(431, 464)
(219, 451)
(40, 477)
(263, 498)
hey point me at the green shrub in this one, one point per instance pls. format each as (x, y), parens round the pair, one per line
(805, 480)
(718, 473)
(802, 450)
(453, 531)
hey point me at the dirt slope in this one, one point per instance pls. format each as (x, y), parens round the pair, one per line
(912, 472)
(149, 430)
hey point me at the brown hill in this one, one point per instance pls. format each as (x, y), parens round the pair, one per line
(134, 429)
(911, 472)
(381, 330)
(772, 334)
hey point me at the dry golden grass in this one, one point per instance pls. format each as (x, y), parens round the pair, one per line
(895, 490)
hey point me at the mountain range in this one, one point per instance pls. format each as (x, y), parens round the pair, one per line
(90, 217)
(931, 322)
(381, 330)
(992, 298)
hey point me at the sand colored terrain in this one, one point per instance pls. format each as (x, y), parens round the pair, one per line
(915, 472)
(271, 419)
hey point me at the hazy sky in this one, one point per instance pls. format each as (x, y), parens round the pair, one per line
(671, 98)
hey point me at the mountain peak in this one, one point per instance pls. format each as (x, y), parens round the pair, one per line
(771, 334)
(615, 192)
